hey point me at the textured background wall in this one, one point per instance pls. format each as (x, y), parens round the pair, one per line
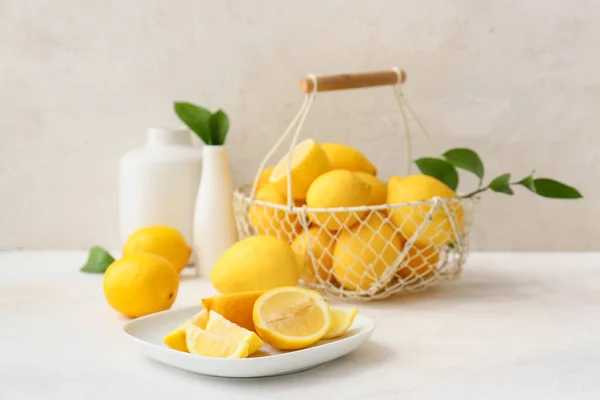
(80, 81)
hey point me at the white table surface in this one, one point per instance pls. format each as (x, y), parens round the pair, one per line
(515, 326)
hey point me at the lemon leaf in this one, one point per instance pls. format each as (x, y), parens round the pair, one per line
(550, 188)
(98, 261)
(196, 118)
(219, 125)
(528, 182)
(465, 159)
(440, 169)
(501, 184)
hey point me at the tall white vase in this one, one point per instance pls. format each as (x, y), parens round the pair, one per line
(214, 223)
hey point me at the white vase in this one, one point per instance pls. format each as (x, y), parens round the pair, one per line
(214, 223)
(159, 182)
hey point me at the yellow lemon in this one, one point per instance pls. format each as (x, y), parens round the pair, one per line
(176, 339)
(207, 344)
(161, 240)
(291, 318)
(341, 320)
(235, 307)
(263, 178)
(337, 188)
(363, 254)
(221, 326)
(409, 218)
(378, 188)
(343, 156)
(256, 263)
(420, 263)
(308, 162)
(267, 220)
(140, 284)
(321, 242)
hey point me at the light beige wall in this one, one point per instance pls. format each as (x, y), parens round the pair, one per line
(81, 80)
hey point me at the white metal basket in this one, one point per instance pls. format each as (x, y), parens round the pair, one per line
(373, 251)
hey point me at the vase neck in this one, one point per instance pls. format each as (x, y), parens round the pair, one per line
(168, 137)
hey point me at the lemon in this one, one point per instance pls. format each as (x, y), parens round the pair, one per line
(420, 263)
(410, 217)
(162, 240)
(176, 338)
(308, 162)
(209, 344)
(363, 254)
(235, 307)
(343, 156)
(291, 318)
(256, 263)
(271, 221)
(219, 325)
(341, 320)
(337, 188)
(140, 284)
(321, 242)
(378, 188)
(263, 178)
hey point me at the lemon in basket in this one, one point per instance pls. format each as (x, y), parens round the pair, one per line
(409, 218)
(365, 253)
(337, 188)
(378, 188)
(308, 161)
(420, 263)
(321, 242)
(263, 179)
(343, 156)
(267, 220)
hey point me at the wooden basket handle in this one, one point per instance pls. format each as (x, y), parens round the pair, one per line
(352, 81)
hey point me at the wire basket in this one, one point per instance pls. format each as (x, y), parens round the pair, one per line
(366, 252)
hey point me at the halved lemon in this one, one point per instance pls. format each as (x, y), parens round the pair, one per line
(208, 344)
(308, 161)
(291, 318)
(341, 320)
(176, 339)
(219, 325)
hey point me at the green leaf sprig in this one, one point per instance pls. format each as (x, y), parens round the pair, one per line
(211, 128)
(98, 261)
(445, 170)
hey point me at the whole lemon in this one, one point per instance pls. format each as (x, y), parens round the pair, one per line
(140, 284)
(343, 156)
(337, 188)
(363, 254)
(378, 188)
(256, 263)
(162, 240)
(321, 242)
(420, 263)
(271, 221)
(263, 179)
(409, 218)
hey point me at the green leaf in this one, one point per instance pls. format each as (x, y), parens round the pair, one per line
(528, 182)
(98, 261)
(501, 184)
(465, 159)
(440, 169)
(555, 190)
(219, 125)
(196, 118)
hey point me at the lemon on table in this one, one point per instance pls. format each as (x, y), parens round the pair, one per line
(343, 156)
(337, 188)
(256, 263)
(235, 307)
(176, 338)
(420, 263)
(341, 320)
(140, 284)
(162, 240)
(207, 344)
(308, 161)
(267, 220)
(263, 178)
(321, 242)
(291, 318)
(409, 218)
(219, 325)
(378, 188)
(363, 254)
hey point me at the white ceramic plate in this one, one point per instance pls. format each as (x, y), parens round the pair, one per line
(146, 334)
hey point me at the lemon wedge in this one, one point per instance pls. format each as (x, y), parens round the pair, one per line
(341, 320)
(176, 339)
(208, 344)
(235, 307)
(217, 324)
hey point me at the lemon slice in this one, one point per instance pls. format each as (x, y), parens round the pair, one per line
(291, 318)
(208, 344)
(219, 325)
(341, 320)
(308, 162)
(176, 339)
